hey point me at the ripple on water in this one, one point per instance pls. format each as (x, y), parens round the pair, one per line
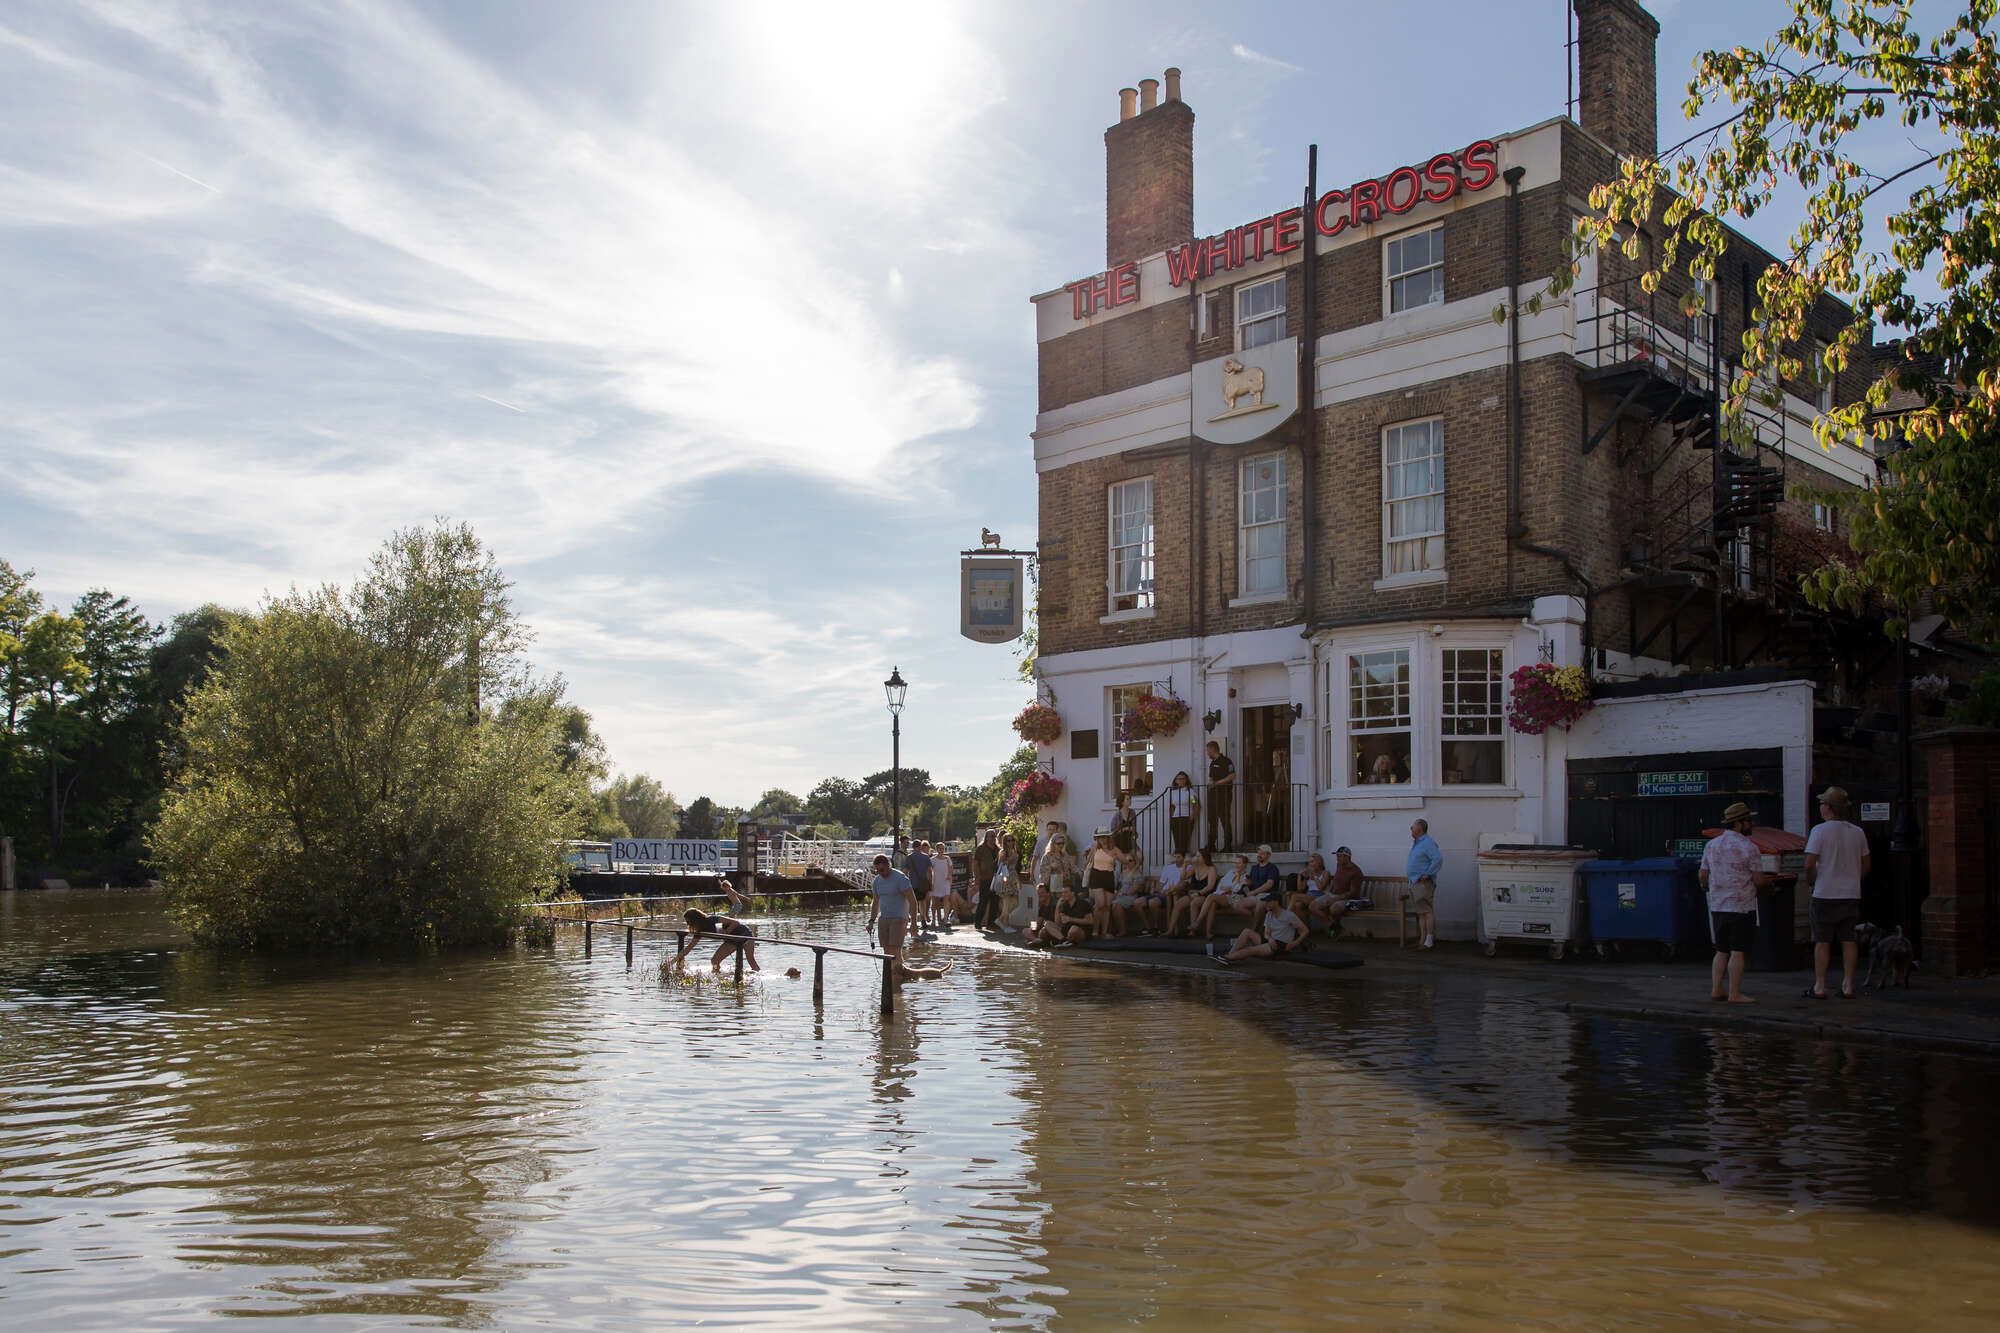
(541, 1138)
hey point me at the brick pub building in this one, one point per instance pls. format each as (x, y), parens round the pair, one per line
(1299, 475)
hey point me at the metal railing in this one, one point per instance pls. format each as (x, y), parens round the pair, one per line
(1278, 813)
(789, 854)
(680, 934)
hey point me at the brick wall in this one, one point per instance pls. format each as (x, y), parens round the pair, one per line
(1964, 766)
(1114, 354)
(1616, 83)
(1148, 183)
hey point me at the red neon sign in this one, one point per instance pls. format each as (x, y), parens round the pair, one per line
(1444, 177)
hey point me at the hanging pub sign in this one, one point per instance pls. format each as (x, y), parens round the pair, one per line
(990, 597)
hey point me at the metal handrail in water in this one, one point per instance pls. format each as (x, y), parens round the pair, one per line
(820, 951)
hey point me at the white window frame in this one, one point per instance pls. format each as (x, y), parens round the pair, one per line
(1357, 728)
(1392, 246)
(1118, 751)
(1822, 516)
(1139, 600)
(1272, 319)
(1428, 570)
(1702, 327)
(1208, 308)
(1482, 724)
(1326, 715)
(1822, 382)
(1247, 525)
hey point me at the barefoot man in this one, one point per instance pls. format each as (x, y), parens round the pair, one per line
(1732, 870)
(893, 905)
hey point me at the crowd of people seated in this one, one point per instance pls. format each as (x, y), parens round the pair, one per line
(1068, 894)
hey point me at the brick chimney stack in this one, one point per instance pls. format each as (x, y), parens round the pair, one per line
(1617, 83)
(1148, 173)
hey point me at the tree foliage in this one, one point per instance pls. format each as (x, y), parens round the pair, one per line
(375, 765)
(1931, 531)
(646, 809)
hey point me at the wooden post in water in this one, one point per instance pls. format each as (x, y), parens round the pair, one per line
(889, 985)
(586, 934)
(739, 964)
(819, 976)
(628, 948)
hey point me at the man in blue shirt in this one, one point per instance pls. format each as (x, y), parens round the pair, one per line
(893, 904)
(1423, 866)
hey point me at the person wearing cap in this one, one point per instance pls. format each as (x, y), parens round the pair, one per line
(1327, 893)
(1732, 871)
(1422, 867)
(1836, 861)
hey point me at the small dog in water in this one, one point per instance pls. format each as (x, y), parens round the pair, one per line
(1888, 952)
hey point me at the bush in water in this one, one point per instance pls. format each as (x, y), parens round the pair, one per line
(375, 766)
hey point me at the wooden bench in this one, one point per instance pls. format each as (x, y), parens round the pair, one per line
(1391, 896)
(1389, 893)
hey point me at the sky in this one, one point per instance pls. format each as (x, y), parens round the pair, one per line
(711, 319)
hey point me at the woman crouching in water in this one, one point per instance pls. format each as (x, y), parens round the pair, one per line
(735, 935)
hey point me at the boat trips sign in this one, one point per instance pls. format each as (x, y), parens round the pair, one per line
(694, 853)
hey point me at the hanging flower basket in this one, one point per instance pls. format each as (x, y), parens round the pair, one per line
(1152, 715)
(1034, 792)
(1039, 723)
(1546, 695)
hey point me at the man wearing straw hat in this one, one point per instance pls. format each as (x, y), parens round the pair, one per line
(1732, 871)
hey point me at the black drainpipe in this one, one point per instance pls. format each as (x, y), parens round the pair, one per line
(1517, 532)
(1308, 413)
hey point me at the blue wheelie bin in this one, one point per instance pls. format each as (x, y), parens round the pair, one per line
(1644, 900)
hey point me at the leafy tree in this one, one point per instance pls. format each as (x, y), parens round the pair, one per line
(54, 677)
(775, 802)
(1931, 531)
(647, 809)
(882, 788)
(339, 789)
(699, 820)
(194, 644)
(19, 604)
(841, 801)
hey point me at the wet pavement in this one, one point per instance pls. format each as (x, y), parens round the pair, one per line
(1934, 1013)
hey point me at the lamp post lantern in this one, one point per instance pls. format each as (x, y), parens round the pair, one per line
(895, 687)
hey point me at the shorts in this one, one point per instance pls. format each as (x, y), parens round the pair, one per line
(890, 931)
(1834, 919)
(1128, 900)
(1423, 892)
(1279, 948)
(1102, 879)
(1734, 931)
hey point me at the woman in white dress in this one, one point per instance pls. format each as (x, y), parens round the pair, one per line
(940, 885)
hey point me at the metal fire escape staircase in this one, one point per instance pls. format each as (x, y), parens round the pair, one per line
(1705, 530)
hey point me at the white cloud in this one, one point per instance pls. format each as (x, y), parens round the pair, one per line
(1250, 57)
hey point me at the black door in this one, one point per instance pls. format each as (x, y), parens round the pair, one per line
(1658, 804)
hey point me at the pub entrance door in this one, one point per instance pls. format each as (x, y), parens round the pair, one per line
(1266, 776)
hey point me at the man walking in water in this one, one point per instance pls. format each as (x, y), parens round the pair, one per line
(1423, 866)
(893, 905)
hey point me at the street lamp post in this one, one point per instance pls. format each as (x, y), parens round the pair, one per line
(895, 687)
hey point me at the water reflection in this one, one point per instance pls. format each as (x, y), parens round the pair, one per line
(544, 1138)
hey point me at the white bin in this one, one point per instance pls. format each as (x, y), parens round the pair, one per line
(1528, 892)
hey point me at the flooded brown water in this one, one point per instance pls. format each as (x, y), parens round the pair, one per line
(539, 1140)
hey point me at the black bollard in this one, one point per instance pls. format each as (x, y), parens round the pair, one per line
(819, 976)
(889, 985)
(628, 948)
(586, 937)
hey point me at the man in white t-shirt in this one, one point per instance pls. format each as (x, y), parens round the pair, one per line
(1836, 861)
